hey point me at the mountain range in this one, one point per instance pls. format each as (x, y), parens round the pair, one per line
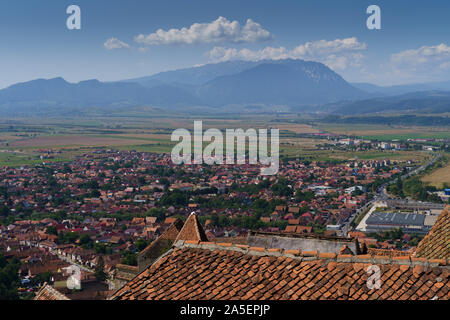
(236, 85)
(402, 89)
(433, 101)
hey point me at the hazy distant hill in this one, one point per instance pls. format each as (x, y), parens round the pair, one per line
(195, 76)
(421, 102)
(288, 82)
(402, 89)
(39, 95)
(237, 86)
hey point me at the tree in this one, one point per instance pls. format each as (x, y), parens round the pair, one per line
(51, 230)
(4, 211)
(40, 278)
(99, 248)
(141, 181)
(175, 198)
(141, 244)
(68, 237)
(281, 188)
(100, 273)
(66, 169)
(304, 196)
(9, 278)
(4, 191)
(130, 259)
(86, 241)
(159, 213)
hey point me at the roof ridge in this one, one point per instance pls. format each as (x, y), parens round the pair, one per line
(435, 243)
(197, 231)
(305, 236)
(52, 291)
(126, 266)
(313, 255)
(177, 225)
(192, 225)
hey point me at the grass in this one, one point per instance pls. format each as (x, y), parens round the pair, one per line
(153, 148)
(440, 177)
(361, 216)
(324, 155)
(18, 159)
(403, 137)
(146, 134)
(386, 132)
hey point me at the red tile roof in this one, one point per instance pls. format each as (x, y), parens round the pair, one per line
(193, 270)
(387, 252)
(436, 244)
(47, 292)
(160, 245)
(192, 230)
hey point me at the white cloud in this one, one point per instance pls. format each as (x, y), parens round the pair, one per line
(427, 63)
(220, 30)
(337, 54)
(426, 54)
(444, 65)
(114, 43)
(142, 49)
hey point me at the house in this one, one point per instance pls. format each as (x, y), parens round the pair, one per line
(294, 221)
(150, 220)
(191, 230)
(169, 221)
(137, 221)
(303, 229)
(280, 209)
(274, 275)
(48, 293)
(265, 219)
(290, 228)
(117, 239)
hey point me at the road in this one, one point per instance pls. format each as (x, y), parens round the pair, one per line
(84, 268)
(382, 194)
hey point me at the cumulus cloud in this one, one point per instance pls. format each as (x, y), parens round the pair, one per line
(337, 54)
(427, 63)
(114, 43)
(439, 54)
(220, 30)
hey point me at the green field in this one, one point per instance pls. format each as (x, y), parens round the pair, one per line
(18, 159)
(21, 139)
(387, 132)
(403, 137)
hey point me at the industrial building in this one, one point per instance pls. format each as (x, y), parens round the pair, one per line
(408, 222)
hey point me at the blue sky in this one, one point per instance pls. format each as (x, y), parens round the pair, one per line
(412, 46)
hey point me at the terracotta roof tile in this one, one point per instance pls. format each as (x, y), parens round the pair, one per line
(198, 271)
(225, 244)
(326, 255)
(258, 249)
(192, 230)
(436, 244)
(309, 253)
(293, 252)
(47, 292)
